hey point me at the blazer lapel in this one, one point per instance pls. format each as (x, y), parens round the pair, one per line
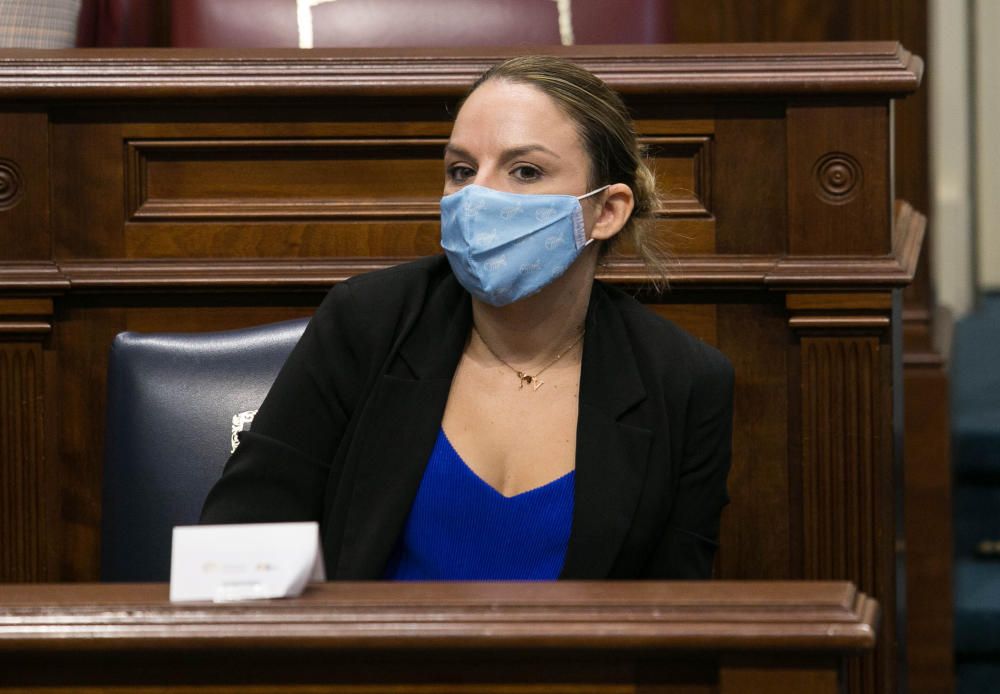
(612, 454)
(395, 440)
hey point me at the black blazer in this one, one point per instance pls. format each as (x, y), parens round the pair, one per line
(346, 431)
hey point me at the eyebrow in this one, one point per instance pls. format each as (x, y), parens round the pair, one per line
(506, 155)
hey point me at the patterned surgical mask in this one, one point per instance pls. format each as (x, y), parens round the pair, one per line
(505, 246)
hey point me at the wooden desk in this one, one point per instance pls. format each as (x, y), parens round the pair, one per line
(727, 637)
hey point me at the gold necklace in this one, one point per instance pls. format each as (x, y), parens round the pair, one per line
(524, 377)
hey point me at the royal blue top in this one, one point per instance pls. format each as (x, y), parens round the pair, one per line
(461, 528)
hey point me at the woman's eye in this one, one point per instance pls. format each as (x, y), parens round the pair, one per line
(526, 173)
(460, 174)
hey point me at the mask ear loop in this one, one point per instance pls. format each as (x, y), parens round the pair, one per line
(595, 191)
(587, 195)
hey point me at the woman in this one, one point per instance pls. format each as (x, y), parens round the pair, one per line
(497, 413)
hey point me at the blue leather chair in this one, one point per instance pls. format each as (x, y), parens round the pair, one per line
(175, 402)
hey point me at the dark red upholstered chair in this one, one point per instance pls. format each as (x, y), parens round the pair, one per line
(358, 23)
(123, 23)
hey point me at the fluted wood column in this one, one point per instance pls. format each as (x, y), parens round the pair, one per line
(24, 527)
(847, 468)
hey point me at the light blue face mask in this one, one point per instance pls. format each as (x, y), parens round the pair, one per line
(505, 246)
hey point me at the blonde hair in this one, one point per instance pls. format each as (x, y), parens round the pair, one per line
(608, 136)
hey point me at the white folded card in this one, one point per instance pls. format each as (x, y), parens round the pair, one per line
(244, 562)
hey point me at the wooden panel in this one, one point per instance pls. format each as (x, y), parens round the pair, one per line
(191, 197)
(683, 170)
(25, 307)
(24, 185)
(683, 173)
(822, 302)
(783, 20)
(24, 531)
(88, 184)
(927, 455)
(846, 471)
(757, 676)
(697, 319)
(179, 180)
(25, 514)
(306, 197)
(183, 180)
(343, 240)
(839, 183)
(755, 337)
(840, 375)
(750, 166)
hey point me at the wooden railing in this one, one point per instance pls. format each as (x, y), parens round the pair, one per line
(726, 637)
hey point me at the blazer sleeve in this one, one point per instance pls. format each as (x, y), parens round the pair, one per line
(687, 548)
(280, 470)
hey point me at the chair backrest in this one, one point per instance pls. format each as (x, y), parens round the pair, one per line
(355, 23)
(38, 23)
(174, 401)
(423, 23)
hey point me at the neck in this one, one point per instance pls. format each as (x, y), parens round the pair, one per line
(541, 325)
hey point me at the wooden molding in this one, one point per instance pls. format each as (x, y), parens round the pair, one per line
(25, 307)
(693, 200)
(43, 276)
(24, 327)
(884, 68)
(845, 321)
(735, 272)
(908, 231)
(27, 316)
(868, 311)
(744, 616)
(166, 157)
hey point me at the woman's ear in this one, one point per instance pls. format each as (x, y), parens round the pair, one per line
(616, 206)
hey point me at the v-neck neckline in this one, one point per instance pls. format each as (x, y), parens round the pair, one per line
(455, 454)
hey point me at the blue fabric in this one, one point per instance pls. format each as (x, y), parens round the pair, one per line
(460, 528)
(975, 394)
(975, 421)
(978, 677)
(977, 518)
(977, 608)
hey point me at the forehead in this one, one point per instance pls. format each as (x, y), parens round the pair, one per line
(502, 115)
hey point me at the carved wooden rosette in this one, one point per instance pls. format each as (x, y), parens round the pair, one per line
(24, 528)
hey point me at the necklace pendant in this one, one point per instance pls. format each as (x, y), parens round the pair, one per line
(524, 378)
(538, 384)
